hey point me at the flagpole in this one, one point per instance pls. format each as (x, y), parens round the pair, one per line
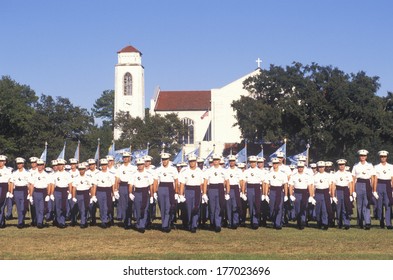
(98, 150)
(245, 146)
(308, 151)
(46, 150)
(199, 149)
(79, 149)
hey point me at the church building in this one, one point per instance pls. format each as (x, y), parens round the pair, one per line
(207, 113)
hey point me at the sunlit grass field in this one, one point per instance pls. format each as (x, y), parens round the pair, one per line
(114, 243)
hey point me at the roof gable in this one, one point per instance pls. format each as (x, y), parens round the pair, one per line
(198, 100)
(129, 49)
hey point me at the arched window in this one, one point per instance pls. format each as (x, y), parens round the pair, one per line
(188, 137)
(127, 84)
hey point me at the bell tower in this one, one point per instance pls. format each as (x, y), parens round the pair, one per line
(129, 84)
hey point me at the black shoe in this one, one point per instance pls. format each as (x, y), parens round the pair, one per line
(20, 226)
(300, 227)
(72, 224)
(166, 230)
(9, 217)
(367, 227)
(346, 227)
(141, 230)
(255, 227)
(382, 224)
(234, 227)
(389, 227)
(83, 226)
(217, 229)
(2, 226)
(40, 226)
(104, 225)
(193, 230)
(93, 224)
(62, 226)
(278, 228)
(127, 227)
(325, 227)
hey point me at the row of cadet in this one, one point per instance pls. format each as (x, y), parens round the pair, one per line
(195, 195)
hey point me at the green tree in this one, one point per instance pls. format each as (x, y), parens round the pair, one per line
(337, 113)
(154, 130)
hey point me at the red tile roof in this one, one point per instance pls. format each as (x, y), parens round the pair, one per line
(183, 101)
(129, 49)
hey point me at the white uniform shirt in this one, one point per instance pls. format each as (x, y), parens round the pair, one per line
(166, 174)
(33, 171)
(215, 175)
(62, 179)
(300, 181)
(342, 178)
(384, 172)
(74, 173)
(104, 179)
(152, 171)
(92, 174)
(5, 174)
(141, 179)
(233, 175)
(41, 180)
(124, 172)
(112, 170)
(276, 178)
(322, 180)
(254, 175)
(82, 183)
(363, 171)
(20, 178)
(191, 177)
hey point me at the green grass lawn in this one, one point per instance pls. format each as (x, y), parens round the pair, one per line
(244, 243)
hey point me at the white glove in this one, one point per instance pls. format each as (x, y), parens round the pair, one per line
(116, 195)
(30, 198)
(182, 198)
(155, 196)
(375, 194)
(205, 199)
(10, 195)
(354, 195)
(292, 197)
(47, 198)
(132, 197)
(335, 200)
(93, 199)
(74, 199)
(227, 197)
(69, 196)
(285, 198)
(243, 196)
(151, 200)
(312, 200)
(7, 195)
(267, 198)
(263, 197)
(350, 198)
(177, 197)
(52, 197)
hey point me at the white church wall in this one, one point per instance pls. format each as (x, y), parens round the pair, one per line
(223, 113)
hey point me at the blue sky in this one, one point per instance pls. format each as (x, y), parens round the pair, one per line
(69, 48)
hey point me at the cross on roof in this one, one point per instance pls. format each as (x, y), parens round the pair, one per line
(258, 61)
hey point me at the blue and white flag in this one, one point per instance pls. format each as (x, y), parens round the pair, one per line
(196, 152)
(62, 153)
(139, 153)
(294, 159)
(282, 149)
(206, 162)
(44, 153)
(111, 150)
(178, 158)
(76, 155)
(97, 154)
(242, 155)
